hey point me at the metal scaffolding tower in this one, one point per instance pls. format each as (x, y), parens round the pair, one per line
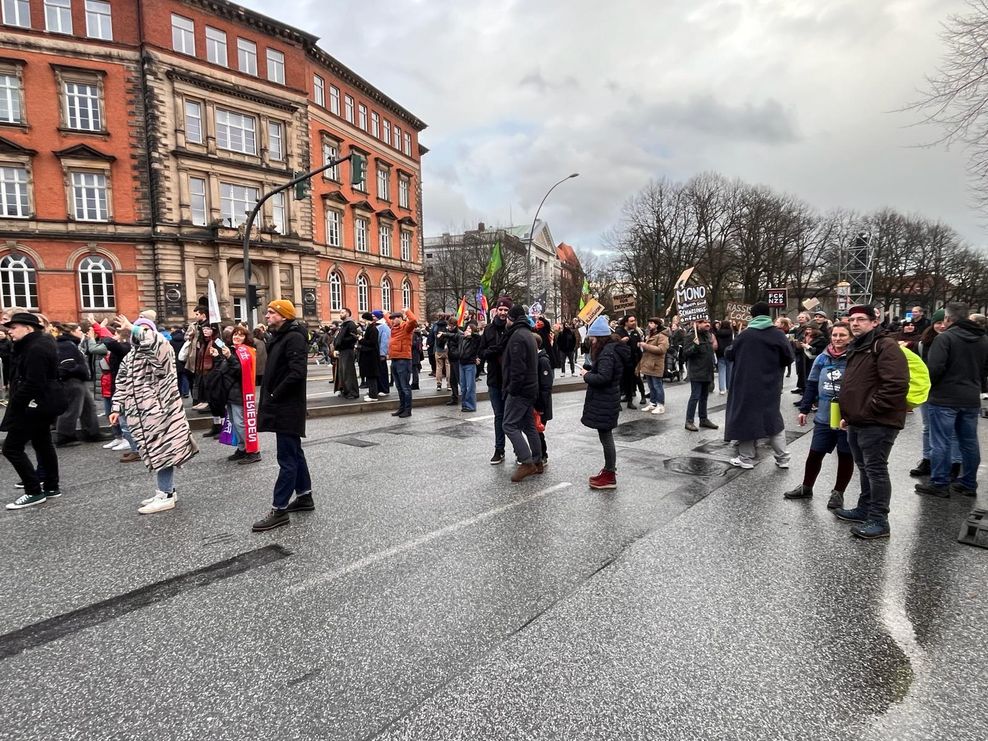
(857, 269)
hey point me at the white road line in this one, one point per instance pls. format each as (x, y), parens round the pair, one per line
(421, 540)
(479, 419)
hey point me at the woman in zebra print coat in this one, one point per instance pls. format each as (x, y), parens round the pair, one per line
(147, 394)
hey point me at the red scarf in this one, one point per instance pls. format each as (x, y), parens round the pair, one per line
(245, 355)
(834, 353)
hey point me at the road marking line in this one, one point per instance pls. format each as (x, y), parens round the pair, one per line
(479, 419)
(421, 540)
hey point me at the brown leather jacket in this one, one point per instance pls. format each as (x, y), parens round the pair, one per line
(873, 391)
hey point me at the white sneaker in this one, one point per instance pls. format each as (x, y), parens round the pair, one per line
(160, 502)
(659, 409)
(109, 445)
(119, 445)
(157, 495)
(721, 392)
(648, 407)
(370, 398)
(741, 464)
(782, 464)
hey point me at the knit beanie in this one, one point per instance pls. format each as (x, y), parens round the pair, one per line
(150, 314)
(938, 316)
(761, 309)
(146, 322)
(378, 314)
(504, 301)
(601, 327)
(284, 307)
(517, 311)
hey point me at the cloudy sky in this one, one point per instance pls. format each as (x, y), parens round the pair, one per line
(801, 95)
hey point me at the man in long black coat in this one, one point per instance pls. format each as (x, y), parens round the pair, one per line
(520, 370)
(761, 354)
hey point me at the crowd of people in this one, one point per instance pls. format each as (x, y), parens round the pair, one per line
(856, 380)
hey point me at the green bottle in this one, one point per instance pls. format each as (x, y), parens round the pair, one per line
(834, 414)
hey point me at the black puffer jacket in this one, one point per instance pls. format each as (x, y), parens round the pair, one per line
(33, 380)
(282, 401)
(603, 403)
(491, 348)
(71, 362)
(958, 360)
(543, 404)
(520, 363)
(453, 339)
(700, 358)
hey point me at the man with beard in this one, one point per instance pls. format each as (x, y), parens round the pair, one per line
(343, 347)
(630, 335)
(701, 349)
(520, 367)
(491, 350)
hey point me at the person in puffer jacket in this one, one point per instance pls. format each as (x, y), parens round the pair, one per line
(602, 407)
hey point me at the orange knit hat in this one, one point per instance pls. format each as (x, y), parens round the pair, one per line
(284, 307)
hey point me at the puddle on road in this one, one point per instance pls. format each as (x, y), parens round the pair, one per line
(695, 466)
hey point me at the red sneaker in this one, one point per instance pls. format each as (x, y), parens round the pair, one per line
(604, 480)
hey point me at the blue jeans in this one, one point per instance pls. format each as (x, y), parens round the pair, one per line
(946, 425)
(293, 470)
(166, 479)
(656, 391)
(497, 404)
(698, 396)
(401, 370)
(468, 386)
(870, 446)
(725, 369)
(955, 451)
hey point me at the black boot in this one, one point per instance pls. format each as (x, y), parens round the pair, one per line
(922, 468)
(955, 471)
(214, 431)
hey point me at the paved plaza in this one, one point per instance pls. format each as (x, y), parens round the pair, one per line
(430, 598)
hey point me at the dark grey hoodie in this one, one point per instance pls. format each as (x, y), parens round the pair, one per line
(958, 362)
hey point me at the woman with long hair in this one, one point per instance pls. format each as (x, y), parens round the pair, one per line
(602, 407)
(237, 366)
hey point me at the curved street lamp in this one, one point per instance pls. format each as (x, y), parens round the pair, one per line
(531, 235)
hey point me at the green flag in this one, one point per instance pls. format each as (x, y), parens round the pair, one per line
(492, 267)
(584, 293)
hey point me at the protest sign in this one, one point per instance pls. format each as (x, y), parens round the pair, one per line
(738, 312)
(778, 297)
(811, 303)
(591, 311)
(624, 302)
(691, 303)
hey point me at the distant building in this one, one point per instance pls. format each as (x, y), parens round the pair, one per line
(570, 281)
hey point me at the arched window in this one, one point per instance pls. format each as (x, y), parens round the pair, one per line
(335, 291)
(18, 281)
(363, 294)
(406, 294)
(96, 284)
(386, 295)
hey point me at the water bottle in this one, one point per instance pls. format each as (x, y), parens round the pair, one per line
(835, 414)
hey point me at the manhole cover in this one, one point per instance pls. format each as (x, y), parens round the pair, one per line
(695, 466)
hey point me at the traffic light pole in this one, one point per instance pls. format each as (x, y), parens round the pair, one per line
(249, 287)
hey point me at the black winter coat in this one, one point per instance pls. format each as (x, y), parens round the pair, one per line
(566, 342)
(346, 337)
(958, 361)
(520, 363)
(282, 401)
(491, 350)
(760, 359)
(700, 359)
(36, 395)
(6, 349)
(543, 404)
(454, 337)
(603, 403)
(71, 362)
(469, 349)
(368, 352)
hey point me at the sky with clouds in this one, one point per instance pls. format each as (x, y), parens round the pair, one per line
(800, 95)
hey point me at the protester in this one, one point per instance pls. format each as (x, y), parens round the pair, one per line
(441, 352)
(343, 350)
(6, 350)
(602, 405)
(521, 386)
(383, 340)
(195, 354)
(543, 402)
(567, 342)
(237, 366)
(796, 335)
(260, 354)
(74, 373)
(629, 333)
(147, 393)
(417, 340)
(919, 320)
(369, 355)
(469, 360)
(958, 363)
(403, 326)
(212, 391)
(676, 357)
(823, 384)
(700, 354)
(652, 365)
(873, 409)
(36, 399)
(453, 338)
(724, 333)
(491, 349)
(282, 411)
(760, 355)
(923, 350)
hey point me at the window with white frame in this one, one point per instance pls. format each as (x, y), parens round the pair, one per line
(403, 188)
(193, 122)
(216, 46)
(387, 132)
(333, 223)
(319, 90)
(279, 214)
(236, 201)
(17, 13)
(89, 196)
(383, 184)
(375, 125)
(82, 106)
(334, 99)
(99, 21)
(276, 66)
(348, 108)
(18, 281)
(236, 132)
(58, 16)
(96, 284)
(360, 228)
(335, 292)
(197, 201)
(386, 296)
(384, 239)
(406, 245)
(396, 142)
(276, 141)
(408, 144)
(15, 202)
(10, 98)
(183, 35)
(330, 151)
(362, 116)
(406, 294)
(247, 56)
(363, 293)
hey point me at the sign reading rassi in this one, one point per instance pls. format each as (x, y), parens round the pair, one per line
(691, 302)
(738, 312)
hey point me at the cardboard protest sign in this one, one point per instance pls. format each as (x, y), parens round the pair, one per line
(738, 312)
(691, 303)
(591, 311)
(811, 303)
(624, 302)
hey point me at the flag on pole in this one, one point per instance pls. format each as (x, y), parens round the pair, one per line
(461, 313)
(493, 266)
(584, 294)
(214, 303)
(481, 302)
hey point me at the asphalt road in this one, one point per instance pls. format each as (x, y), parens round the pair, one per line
(430, 598)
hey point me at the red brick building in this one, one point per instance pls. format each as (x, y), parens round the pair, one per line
(135, 135)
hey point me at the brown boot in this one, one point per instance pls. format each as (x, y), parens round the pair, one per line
(524, 471)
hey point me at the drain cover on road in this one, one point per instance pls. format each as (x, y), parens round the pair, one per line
(695, 466)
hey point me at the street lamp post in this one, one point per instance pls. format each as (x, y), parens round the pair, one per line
(531, 235)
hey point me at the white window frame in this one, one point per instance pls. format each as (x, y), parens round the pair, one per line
(183, 35)
(86, 102)
(276, 66)
(276, 141)
(11, 92)
(18, 281)
(404, 190)
(334, 227)
(406, 245)
(396, 141)
(232, 195)
(229, 125)
(99, 20)
(408, 144)
(96, 274)
(319, 90)
(335, 292)
(362, 116)
(375, 125)
(90, 195)
(58, 16)
(279, 213)
(385, 235)
(330, 151)
(216, 48)
(406, 294)
(363, 294)
(387, 291)
(334, 99)
(383, 184)
(247, 56)
(386, 129)
(348, 108)
(193, 122)
(198, 201)
(15, 193)
(361, 227)
(17, 13)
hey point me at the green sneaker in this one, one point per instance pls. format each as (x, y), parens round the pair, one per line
(28, 500)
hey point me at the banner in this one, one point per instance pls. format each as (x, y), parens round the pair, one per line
(584, 294)
(246, 357)
(691, 303)
(493, 266)
(214, 303)
(738, 312)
